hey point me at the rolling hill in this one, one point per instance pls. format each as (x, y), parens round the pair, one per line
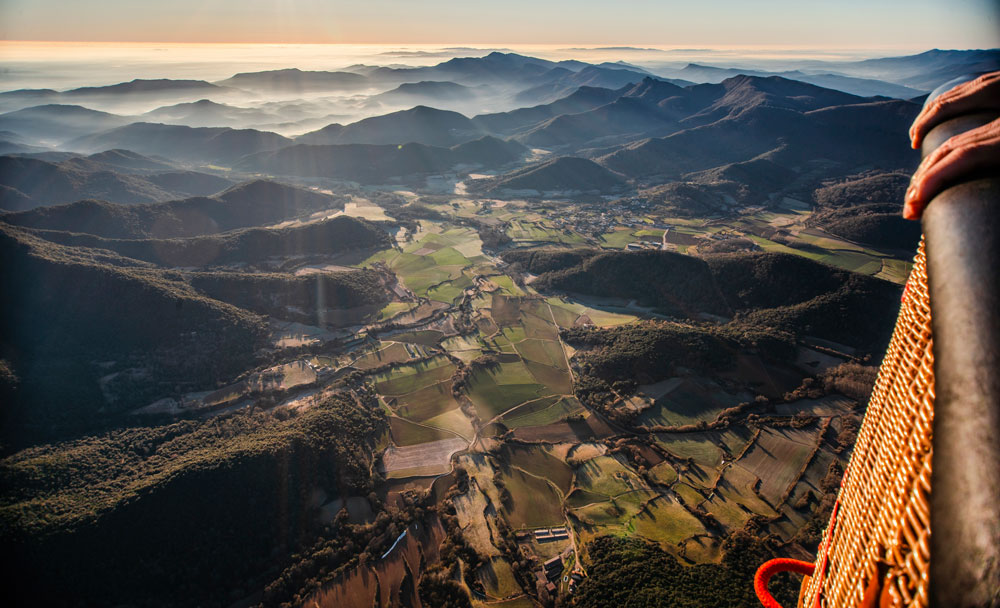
(767, 290)
(58, 123)
(253, 203)
(250, 245)
(201, 144)
(584, 98)
(427, 91)
(41, 183)
(856, 135)
(207, 113)
(368, 163)
(874, 224)
(420, 124)
(565, 173)
(64, 306)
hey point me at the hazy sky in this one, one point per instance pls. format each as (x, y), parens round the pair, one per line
(916, 24)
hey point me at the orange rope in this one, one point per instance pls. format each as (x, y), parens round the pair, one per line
(769, 569)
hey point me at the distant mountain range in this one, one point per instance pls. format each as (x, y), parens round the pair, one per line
(902, 77)
(207, 113)
(124, 92)
(863, 87)
(926, 70)
(294, 80)
(634, 124)
(650, 128)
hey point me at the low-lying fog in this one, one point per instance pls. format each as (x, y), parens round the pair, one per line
(293, 110)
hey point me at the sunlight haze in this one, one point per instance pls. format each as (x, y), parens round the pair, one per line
(851, 23)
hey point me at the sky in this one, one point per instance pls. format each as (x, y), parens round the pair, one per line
(870, 24)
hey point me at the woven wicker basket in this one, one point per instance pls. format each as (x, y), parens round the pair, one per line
(876, 546)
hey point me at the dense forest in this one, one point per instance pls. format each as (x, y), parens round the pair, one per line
(250, 245)
(674, 283)
(784, 292)
(76, 307)
(877, 224)
(252, 203)
(638, 574)
(141, 512)
(292, 296)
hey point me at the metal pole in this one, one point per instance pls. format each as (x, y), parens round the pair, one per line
(962, 232)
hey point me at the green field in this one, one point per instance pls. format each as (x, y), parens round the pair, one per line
(498, 580)
(534, 503)
(617, 239)
(537, 322)
(426, 403)
(777, 457)
(410, 377)
(557, 380)
(453, 420)
(543, 411)
(465, 348)
(615, 515)
(495, 391)
(607, 475)
(507, 285)
(581, 498)
(449, 256)
(601, 318)
(393, 352)
(663, 473)
(541, 463)
(450, 291)
(426, 337)
(734, 501)
(689, 403)
(406, 433)
(394, 308)
(665, 520)
(896, 271)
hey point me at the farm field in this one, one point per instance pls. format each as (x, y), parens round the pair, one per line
(498, 580)
(540, 462)
(534, 455)
(392, 352)
(497, 391)
(429, 458)
(607, 476)
(425, 403)
(664, 520)
(777, 457)
(533, 503)
(406, 433)
(689, 402)
(469, 508)
(408, 378)
(547, 410)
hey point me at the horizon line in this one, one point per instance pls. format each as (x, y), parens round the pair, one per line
(638, 46)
